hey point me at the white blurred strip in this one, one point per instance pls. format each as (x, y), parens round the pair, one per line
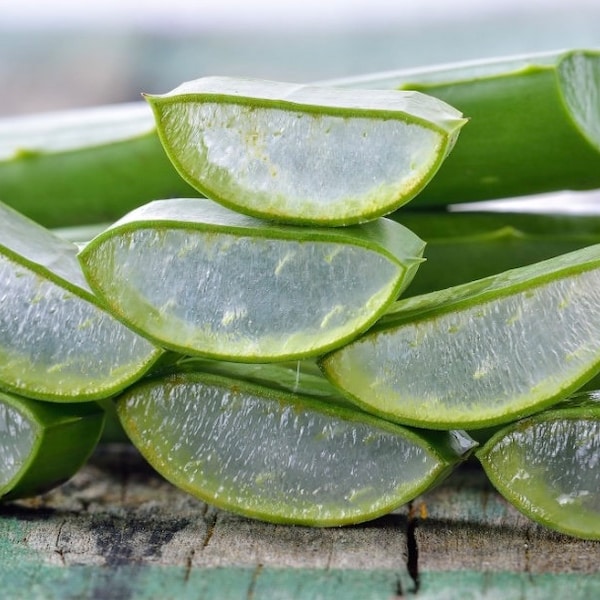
(580, 203)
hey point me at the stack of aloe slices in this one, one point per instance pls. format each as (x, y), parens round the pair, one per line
(290, 270)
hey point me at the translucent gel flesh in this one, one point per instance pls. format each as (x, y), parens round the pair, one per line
(275, 161)
(483, 362)
(271, 459)
(16, 442)
(552, 470)
(53, 342)
(242, 296)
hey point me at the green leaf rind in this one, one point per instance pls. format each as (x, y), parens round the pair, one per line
(84, 166)
(534, 124)
(64, 437)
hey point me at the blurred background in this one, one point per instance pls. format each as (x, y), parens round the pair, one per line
(63, 54)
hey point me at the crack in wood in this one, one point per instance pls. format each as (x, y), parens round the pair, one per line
(412, 547)
(398, 589)
(527, 554)
(188, 565)
(330, 550)
(57, 548)
(211, 522)
(252, 585)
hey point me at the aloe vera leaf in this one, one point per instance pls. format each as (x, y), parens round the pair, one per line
(463, 247)
(301, 154)
(42, 445)
(281, 457)
(483, 353)
(57, 341)
(298, 377)
(534, 124)
(84, 166)
(547, 466)
(200, 279)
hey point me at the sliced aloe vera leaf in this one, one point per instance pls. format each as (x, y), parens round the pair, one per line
(548, 466)
(482, 353)
(281, 457)
(84, 166)
(200, 279)
(301, 154)
(464, 246)
(534, 123)
(57, 342)
(42, 445)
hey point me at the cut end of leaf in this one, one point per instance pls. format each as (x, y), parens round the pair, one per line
(201, 280)
(483, 353)
(276, 456)
(547, 466)
(56, 342)
(579, 79)
(42, 444)
(304, 155)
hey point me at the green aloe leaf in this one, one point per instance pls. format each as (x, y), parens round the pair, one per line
(42, 445)
(200, 279)
(281, 457)
(483, 353)
(299, 377)
(84, 166)
(464, 246)
(548, 466)
(534, 123)
(57, 342)
(301, 154)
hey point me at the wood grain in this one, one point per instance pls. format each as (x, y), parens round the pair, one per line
(118, 530)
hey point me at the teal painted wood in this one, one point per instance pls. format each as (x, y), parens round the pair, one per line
(118, 531)
(238, 583)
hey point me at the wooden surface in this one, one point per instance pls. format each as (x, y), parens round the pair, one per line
(119, 531)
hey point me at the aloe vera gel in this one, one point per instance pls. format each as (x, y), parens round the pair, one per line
(548, 465)
(279, 456)
(200, 279)
(301, 154)
(482, 353)
(56, 341)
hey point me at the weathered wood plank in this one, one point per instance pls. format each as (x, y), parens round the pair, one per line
(118, 530)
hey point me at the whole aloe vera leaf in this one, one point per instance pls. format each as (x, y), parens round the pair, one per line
(42, 445)
(483, 353)
(57, 341)
(547, 466)
(198, 278)
(534, 124)
(281, 457)
(84, 166)
(302, 154)
(463, 247)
